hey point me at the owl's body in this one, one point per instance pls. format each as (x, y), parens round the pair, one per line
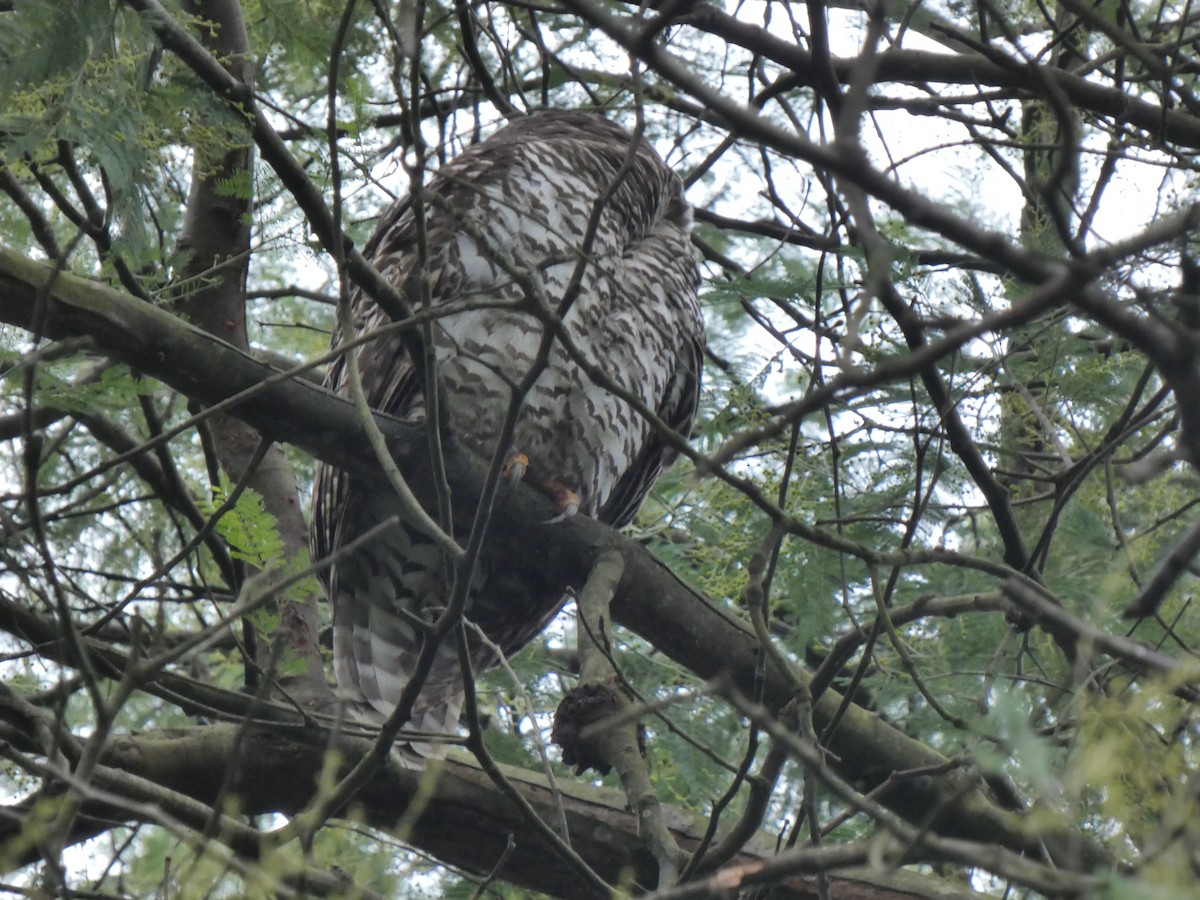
(509, 258)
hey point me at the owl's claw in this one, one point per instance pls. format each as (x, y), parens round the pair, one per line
(565, 499)
(515, 467)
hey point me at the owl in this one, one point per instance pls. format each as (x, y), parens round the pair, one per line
(562, 287)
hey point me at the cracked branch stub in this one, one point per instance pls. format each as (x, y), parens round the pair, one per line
(587, 705)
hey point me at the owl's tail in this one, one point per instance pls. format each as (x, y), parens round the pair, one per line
(376, 645)
(370, 684)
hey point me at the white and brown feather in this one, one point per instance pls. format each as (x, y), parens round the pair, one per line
(511, 211)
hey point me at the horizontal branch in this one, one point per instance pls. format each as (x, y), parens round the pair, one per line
(651, 601)
(465, 820)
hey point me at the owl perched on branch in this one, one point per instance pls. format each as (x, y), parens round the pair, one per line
(555, 249)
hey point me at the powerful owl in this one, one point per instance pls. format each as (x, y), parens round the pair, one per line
(556, 246)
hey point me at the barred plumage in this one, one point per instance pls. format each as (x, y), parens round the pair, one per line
(506, 223)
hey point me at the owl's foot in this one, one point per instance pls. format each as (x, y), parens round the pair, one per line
(516, 464)
(565, 500)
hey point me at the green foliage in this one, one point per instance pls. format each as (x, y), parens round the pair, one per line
(115, 390)
(86, 93)
(249, 530)
(252, 535)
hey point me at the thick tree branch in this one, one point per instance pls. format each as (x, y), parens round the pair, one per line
(210, 288)
(466, 822)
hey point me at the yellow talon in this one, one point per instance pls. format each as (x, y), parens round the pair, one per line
(514, 467)
(565, 499)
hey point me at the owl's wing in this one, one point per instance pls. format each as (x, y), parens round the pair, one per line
(390, 383)
(678, 409)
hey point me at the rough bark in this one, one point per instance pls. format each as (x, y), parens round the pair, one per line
(213, 248)
(465, 820)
